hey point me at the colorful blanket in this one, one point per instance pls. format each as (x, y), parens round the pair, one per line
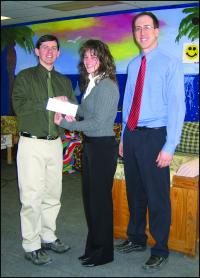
(70, 141)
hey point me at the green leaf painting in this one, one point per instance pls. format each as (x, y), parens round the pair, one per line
(189, 25)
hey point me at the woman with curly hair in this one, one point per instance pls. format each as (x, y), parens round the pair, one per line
(98, 109)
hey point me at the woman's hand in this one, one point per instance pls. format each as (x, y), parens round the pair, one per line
(70, 118)
(58, 118)
(62, 98)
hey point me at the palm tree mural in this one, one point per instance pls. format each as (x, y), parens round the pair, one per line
(189, 25)
(11, 36)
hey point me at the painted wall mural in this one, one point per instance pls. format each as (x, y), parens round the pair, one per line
(192, 97)
(113, 29)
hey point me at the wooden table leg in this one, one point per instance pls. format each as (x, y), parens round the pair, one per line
(9, 155)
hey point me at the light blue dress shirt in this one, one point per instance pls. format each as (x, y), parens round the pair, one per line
(163, 97)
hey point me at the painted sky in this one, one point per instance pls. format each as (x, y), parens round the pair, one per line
(115, 30)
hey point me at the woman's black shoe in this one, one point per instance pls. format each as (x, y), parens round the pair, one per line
(91, 263)
(83, 258)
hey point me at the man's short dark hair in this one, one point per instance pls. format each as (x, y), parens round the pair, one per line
(47, 38)
(154, 18)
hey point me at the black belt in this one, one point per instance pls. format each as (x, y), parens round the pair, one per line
(148, 128)
(48, 137)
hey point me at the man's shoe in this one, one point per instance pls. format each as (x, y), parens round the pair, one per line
(123, 244)
(38, 257)
(57, 246)
(155, 263)
(128, 246)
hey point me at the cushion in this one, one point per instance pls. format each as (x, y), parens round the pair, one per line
(189, 142)
(189, 169)
(9, 125)
(180, 159)
(119, 173)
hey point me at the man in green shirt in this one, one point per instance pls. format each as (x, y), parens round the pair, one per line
(39, 155)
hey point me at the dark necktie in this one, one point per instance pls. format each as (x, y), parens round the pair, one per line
(52, 127)
(135, 108)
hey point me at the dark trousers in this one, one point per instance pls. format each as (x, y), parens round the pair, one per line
(147, 187)
(99, 165)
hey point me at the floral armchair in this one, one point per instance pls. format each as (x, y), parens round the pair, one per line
(9, 125)
(9, 135)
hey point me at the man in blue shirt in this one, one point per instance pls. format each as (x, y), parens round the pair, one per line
(148, 149)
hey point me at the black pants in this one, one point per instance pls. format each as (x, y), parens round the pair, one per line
(147, 186)
(99, 165)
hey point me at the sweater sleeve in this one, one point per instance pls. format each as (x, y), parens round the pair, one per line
(106, 99)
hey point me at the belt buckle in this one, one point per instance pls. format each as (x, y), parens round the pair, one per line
(49, 137)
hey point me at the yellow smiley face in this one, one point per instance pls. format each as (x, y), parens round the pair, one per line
(191, 52)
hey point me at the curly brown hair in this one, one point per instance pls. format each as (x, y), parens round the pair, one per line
(107, 66)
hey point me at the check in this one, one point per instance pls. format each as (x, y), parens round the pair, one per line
(63, 107)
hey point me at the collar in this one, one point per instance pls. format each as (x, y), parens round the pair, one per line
(96, 79)
(45, 71)
(91, 78)
(150, 54)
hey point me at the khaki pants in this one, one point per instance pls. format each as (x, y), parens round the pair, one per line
(39, 165)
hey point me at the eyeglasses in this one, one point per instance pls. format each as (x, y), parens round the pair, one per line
(145, 28)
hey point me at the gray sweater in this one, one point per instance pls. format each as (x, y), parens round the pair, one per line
(98, 110)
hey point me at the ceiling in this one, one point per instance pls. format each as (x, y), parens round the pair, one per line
(33, 11)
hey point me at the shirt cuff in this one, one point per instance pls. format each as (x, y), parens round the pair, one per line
(169, 148)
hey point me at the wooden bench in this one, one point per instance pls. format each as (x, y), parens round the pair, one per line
(184, 231)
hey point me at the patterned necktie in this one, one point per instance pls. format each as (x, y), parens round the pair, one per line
(52, 127)
(135, 108)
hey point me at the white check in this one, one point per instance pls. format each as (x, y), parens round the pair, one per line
(63, 107)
